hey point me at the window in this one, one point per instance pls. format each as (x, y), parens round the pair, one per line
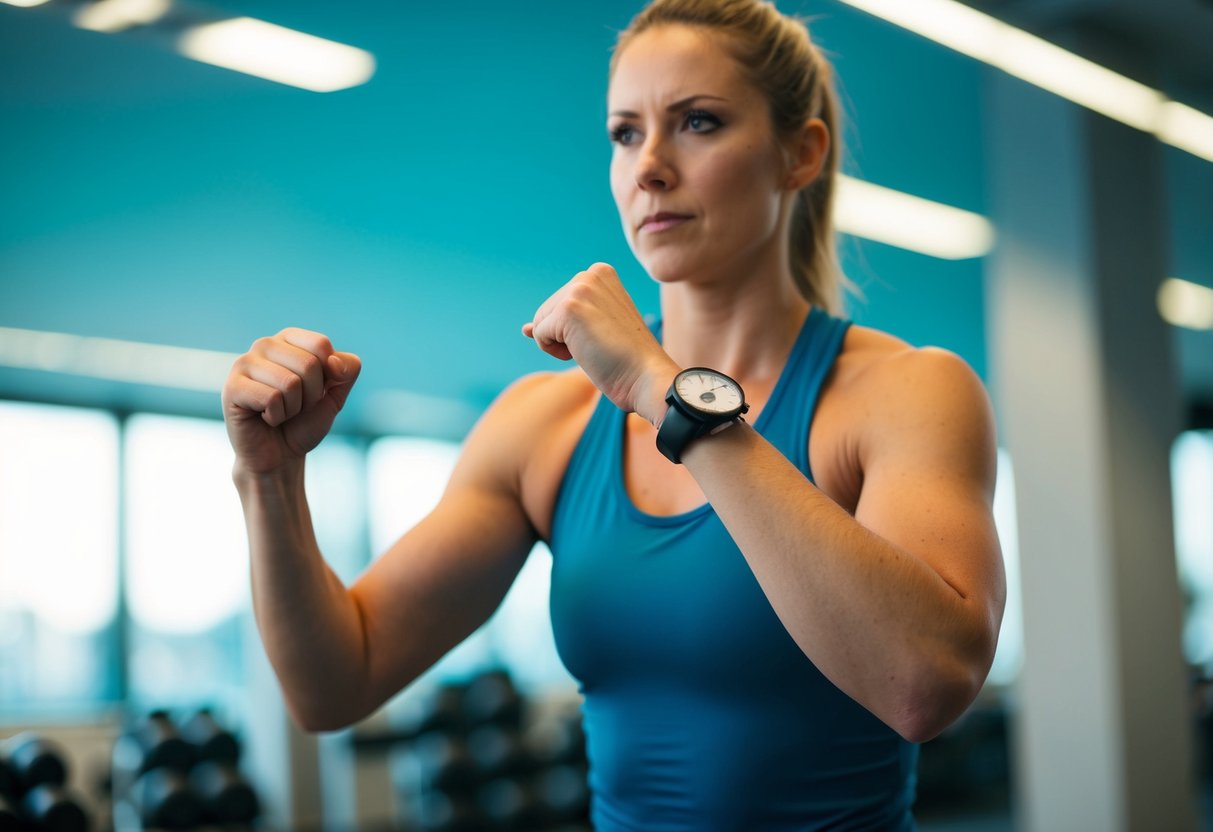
(187, 570)
(407, 478)
(186, 575)
(58, 556)
(1009, 655)
(1192, 487)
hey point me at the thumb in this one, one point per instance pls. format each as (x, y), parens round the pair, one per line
(343, 368)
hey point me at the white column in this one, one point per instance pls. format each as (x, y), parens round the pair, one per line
(1085, 385)
(280, 760)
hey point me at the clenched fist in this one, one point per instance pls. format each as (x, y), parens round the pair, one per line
(282, 396)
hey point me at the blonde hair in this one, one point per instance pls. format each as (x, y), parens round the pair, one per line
(779, 58)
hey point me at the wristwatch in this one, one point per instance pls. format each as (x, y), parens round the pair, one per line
(702, 401)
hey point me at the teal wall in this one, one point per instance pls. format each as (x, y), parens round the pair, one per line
(418, 219)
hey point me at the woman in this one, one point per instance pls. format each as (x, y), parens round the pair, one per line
(760, 644)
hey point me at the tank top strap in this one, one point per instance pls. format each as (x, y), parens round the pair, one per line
(785, 419)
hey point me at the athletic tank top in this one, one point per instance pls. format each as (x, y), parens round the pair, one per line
(700, 711)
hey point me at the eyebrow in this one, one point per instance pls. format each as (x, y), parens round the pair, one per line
(681, 104)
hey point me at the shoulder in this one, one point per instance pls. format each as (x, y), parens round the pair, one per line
(920, 402)
(528, 425)
(534, 405)
(888, 403)
(878, 367)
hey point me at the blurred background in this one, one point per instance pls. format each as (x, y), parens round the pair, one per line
(415, 192)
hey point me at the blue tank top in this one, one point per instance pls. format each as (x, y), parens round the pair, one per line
(700, 711)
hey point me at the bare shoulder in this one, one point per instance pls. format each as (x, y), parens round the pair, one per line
(889, 399)
(878, 368)
(527, 437)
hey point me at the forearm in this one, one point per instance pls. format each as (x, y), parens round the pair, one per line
(310, 625)
(878, 621)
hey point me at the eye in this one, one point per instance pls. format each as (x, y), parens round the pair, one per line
(623, 134)
(701, 121)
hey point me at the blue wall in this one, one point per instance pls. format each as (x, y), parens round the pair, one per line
(418, 219)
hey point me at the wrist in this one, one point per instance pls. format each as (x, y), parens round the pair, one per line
(652, 405)
(276, 480)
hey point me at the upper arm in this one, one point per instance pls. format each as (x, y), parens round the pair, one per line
(444, 577)
(929, 458)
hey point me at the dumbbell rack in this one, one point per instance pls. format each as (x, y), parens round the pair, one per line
(478, 759)
(33, 788)
(169, 776)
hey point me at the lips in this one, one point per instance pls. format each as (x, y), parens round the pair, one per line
(662, 220)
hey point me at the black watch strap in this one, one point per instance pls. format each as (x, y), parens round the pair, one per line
(676, 432)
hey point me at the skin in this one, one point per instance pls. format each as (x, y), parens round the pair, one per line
(887, 572)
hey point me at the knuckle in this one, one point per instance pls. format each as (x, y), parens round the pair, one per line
(291, 383)
(311, 364)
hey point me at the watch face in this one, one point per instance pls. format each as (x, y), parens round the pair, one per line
(709, 391)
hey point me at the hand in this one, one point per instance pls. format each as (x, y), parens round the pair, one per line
(282, 396)
(593, 321)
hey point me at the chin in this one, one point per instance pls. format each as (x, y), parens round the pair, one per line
(668, 267)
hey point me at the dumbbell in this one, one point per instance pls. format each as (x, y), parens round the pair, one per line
(30, 761)
(510, 806)
(10, 818)
(211, 741)
(492, 698)
(564, 793)
(446, 764)
(151, 743)
(437, 811)
(33, 773)
(51, 809)
(10, 783)
(226, 796)
(163, 799)
(498, 751)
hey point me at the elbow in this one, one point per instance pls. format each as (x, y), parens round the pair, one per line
(316, 719)
(941, 690)
(929, 706)
(313, 722)
(319, 726)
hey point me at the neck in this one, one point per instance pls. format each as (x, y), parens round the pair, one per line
(744, 328)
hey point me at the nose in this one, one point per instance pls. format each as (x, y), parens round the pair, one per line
(655, 170)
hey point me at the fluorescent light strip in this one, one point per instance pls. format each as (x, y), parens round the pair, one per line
(1186, 304)
(910, 222)
(278, 54)
(118, 15)
(25, 4)
(1051, 68)
(1187, 128)
(107, 358)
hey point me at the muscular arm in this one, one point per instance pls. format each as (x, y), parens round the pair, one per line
(341, 653)
(899, 605)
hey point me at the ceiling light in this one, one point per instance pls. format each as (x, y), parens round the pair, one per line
(1187, 128)
(25, 4)
(119, 15)
(910, 222)
(278, 54)
(1186, 304)
(107, 358)
(1051, 68)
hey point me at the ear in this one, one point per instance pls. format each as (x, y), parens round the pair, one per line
(808, 154)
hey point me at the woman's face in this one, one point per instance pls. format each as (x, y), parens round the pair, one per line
(696, 173)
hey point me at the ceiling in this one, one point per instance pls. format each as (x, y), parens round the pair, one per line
(1165, 43)
(419, 219)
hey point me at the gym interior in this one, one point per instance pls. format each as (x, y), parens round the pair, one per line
(1028, 185)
